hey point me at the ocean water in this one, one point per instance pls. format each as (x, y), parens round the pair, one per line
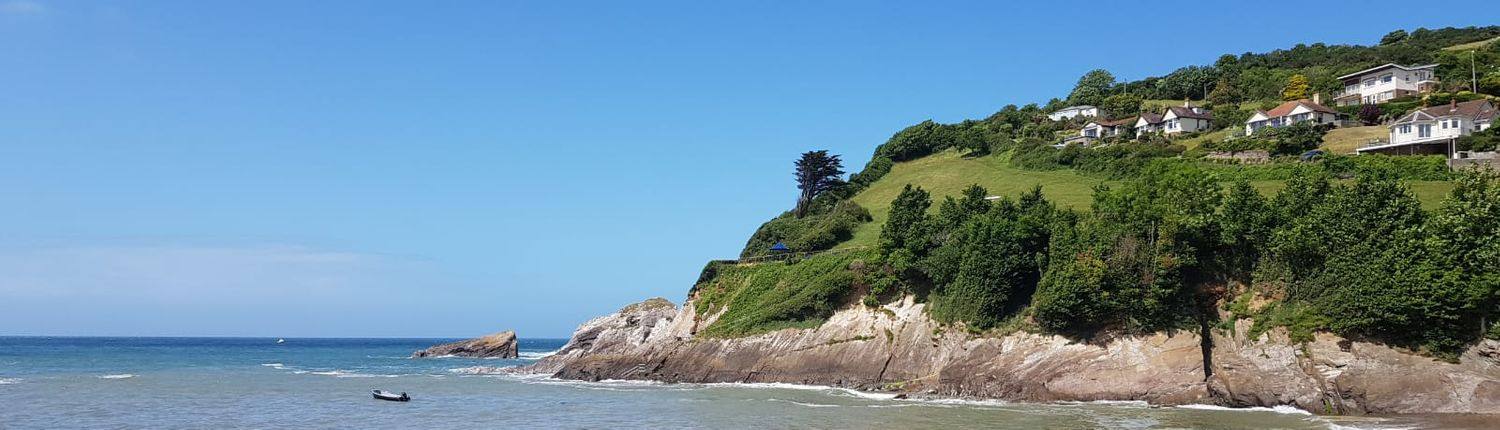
(201, 383)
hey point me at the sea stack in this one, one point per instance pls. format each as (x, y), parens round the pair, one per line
(498, 345)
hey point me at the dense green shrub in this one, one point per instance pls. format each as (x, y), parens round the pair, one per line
(989, 259)
(1120, 160)
(1132, 262)
(1487, 140)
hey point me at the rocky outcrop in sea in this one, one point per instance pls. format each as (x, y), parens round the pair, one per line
(897, 348)
(498, 345)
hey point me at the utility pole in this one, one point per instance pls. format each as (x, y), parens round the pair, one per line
(1473, 74)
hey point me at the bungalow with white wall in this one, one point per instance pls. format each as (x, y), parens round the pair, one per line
(1292, 112)
(1072, 111)
(1383, 83)
(1186, 119)
(1148, 123)
(1100, 128)
(1433, 130)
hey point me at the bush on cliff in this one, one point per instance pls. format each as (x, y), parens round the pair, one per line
(770, 296)
(823, 229)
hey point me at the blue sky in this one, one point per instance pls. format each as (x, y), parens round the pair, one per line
(308, 168)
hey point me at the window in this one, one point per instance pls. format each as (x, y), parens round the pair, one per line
(1386, 78)
(1369, 83)
(1445, 124)
(1404, 129)
(1424, 130)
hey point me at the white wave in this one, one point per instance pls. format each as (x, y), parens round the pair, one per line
(1129, 403)
(810, 405)
(1280, 409)
(537, 355)
(274, 365)
(962, 402)
(8, 381)
(476, 370)
(117, 376)
(365, 375)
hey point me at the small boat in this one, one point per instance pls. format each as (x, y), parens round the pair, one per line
(387, 395)
(280, 340)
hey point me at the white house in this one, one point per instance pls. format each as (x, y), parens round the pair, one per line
(1380, 84)
(1072, 111)
(1148, 123)
(1100, 128)
(1186, 119)
(1292, 112)
(1433, 130)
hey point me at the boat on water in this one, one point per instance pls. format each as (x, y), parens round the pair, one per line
(279, 340)
(387, 395)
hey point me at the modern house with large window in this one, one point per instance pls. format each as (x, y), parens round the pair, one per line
(1433, 130)
(1383, 83)
(1072, 111)
(1292, 112)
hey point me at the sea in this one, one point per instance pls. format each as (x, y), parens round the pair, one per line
(258, 383)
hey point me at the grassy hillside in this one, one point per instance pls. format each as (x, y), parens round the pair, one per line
(949, 172)
(1196, 141)
(1471, 45)
(1346, 139)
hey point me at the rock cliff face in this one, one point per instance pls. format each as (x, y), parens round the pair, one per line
(498, 345)
(897, 348)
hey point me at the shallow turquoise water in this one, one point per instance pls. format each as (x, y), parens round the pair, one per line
(325, 383)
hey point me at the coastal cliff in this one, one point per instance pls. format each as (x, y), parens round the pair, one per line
(897, 348)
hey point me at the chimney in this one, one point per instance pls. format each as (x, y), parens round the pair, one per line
(1317, 98)
(1453, 105)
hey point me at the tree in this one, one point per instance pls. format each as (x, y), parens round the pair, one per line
(1121, 105)
(1393, 37)
(1224, 93)
(1186, 82)
(1369, 114)
(903, 238)
(1092, 87)
(1296, 88)
(816, 172)
(1245, 222)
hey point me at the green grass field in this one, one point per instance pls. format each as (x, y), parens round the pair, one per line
(948, 173)
(1471, 45)
(1199, 140)
(1346, 139)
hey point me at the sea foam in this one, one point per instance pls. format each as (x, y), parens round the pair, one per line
(117, 376)
(1280, 409)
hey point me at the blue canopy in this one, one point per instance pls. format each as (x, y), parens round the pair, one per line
(779, 247)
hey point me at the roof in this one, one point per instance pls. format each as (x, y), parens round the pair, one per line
(1115, 123)
(1151, 118)
(1185, 112)
(1079, 107)
(1477, 110)
(1286, 108)
(1386, 66)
